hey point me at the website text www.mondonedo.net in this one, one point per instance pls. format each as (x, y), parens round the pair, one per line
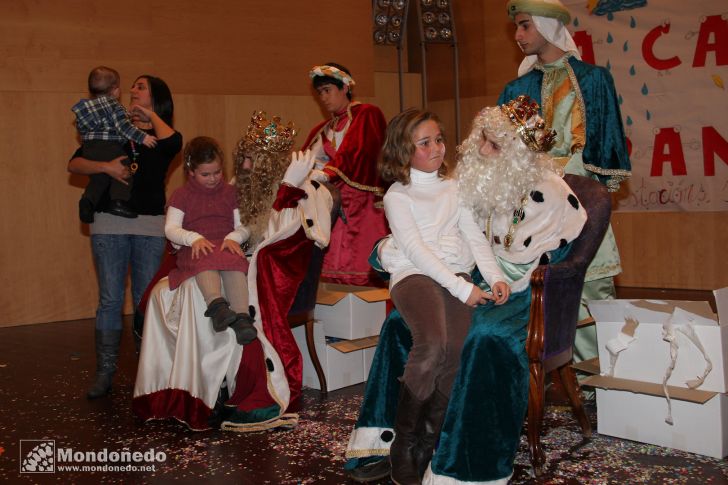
(107, 468)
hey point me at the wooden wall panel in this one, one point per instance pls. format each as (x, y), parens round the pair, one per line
(672, 249)
(488, 55)
(212, 47)
(222, 59)
(47, 267)
(44, 259)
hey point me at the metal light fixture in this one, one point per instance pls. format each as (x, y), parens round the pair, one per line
(436, 20)
(437, 27)
(389, 20)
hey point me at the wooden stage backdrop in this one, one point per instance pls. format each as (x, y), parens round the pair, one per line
(223, 59)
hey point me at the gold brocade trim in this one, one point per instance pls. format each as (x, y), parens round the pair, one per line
(351, 183)
(547, 104)
(365, 453)
(286, 420)
(353, 273)
(577, 89)
(616, 175)
(321, 130)
(335, 120)
(604, 272)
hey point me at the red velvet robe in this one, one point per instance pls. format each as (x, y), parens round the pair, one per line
(353, 169)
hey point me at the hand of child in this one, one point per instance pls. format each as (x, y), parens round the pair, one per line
(233, 247)
(117, 170)
(201, 247)
(477, 297)
(300, 167)
(501, 292)
(140, 113)
(149, 141)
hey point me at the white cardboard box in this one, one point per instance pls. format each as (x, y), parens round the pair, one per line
(647, 358)
(368, 358)
(637, 411)
(351, 312)
(341, 369)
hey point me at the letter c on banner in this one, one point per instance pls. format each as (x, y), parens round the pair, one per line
(647, 50)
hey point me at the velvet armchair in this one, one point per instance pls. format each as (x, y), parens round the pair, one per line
(555, 300)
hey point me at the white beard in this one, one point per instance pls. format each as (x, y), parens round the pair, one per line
(497, 183)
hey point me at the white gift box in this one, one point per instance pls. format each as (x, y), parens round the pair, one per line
(643, 355)
(637, 410)
(343, 363)
(368, 358)
(351, 312)
(634, 360)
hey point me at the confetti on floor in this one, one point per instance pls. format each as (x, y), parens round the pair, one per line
(43, 398)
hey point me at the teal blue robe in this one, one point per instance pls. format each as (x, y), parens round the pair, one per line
(605, 152)
(489, 398)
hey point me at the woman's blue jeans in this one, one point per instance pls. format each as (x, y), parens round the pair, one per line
(113, 255)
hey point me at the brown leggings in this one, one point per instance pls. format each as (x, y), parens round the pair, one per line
(439, 323)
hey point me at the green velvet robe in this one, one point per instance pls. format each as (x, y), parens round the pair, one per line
(488, 402)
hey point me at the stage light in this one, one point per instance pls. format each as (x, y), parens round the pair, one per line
(436, 20)
(437, 27)
(389, 18)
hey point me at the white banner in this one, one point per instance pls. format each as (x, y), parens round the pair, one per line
(669, 60)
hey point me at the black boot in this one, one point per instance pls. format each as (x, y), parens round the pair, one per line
(430, 429)
(245, 332)
(402, 453)
(107, 351)
(373, 471)
(221, 314)
(138, 329)
(218, 414)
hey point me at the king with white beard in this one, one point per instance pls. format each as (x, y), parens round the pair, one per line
(528, 213)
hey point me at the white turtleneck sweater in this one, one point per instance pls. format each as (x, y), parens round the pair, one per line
(433, 235)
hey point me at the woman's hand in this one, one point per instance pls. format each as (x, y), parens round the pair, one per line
(201, 247)
(117, 170)
(140, 113)
(501, 292)
(114, 168)
(233, 247)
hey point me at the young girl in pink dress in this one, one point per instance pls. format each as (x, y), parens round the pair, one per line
(204, 221)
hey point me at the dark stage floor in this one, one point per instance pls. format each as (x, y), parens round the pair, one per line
(45, 369)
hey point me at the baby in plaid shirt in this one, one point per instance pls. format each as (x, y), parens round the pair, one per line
(104, 126)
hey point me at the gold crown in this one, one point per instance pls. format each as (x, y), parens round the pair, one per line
(523, 113)
(269, 135)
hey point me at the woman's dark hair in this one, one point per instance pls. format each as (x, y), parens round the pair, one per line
(162, 103)
(319, 81)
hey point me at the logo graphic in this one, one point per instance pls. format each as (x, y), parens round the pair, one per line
(37, 456)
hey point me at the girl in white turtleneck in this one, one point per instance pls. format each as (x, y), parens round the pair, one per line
(435, 244)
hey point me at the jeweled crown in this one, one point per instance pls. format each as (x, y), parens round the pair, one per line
(269, 134)
(523, 113)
